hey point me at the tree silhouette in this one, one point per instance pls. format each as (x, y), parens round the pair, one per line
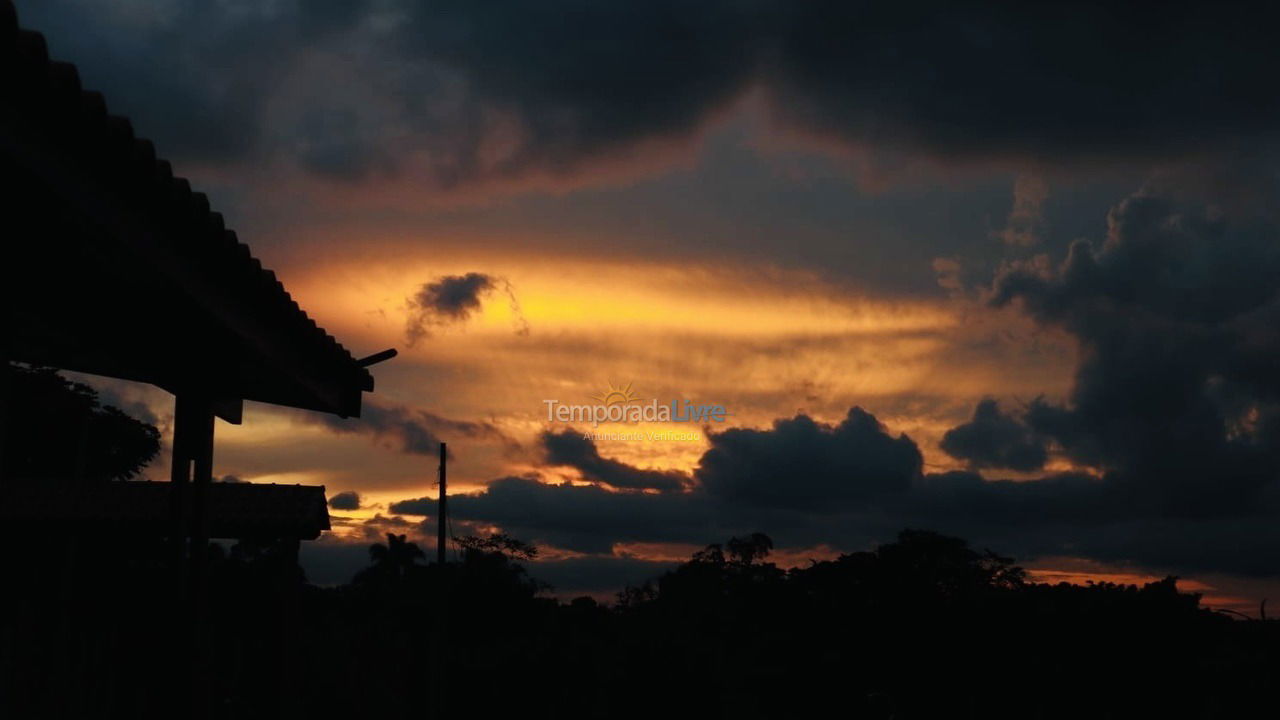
(500, 543)
(58, 430)
(392, 561)
(748, 550)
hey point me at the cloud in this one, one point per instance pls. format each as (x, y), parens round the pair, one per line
(453, 297)
(802, 464)
(576, 450)
(456, 94)
(1171, 419)
(330, 561)
(1175, 316)
(346, 500)
(402, 428)
(992, 439)
(1012, 81)
(1026, 223)
(587, 518)
(452, 300)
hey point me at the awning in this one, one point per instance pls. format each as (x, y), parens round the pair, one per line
(111, 265)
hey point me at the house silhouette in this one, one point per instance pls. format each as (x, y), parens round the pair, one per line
(114, 266)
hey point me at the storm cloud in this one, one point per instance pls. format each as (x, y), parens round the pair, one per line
(1175, 316)
(465, 93)
(992, 439)
(586, 518)
(802, 464)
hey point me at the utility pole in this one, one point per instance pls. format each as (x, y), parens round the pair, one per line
(442, 628)
(442, 517)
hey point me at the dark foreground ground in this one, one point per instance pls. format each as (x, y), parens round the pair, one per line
(923, 627)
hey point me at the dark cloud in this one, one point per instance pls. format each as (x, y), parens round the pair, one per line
(1175, 316)
(1030, 80)
(191, 75)
(802, 464)
(380, 521)
(452, 299)
(473, 92)
(587, 518)
(405, 429)
(572, 83)
(346, 500)
(1026, 223)
(992, 439)
(1070, 514)
(375, 529)
(576, 450)
(330, 561)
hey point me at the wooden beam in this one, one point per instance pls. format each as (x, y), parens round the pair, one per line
(230, 409)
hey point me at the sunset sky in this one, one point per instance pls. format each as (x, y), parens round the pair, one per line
(1011, 274)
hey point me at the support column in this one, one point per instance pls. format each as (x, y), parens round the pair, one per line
(8, 605)
(189, 537)
(202, 459)
(179, 480)
(5, 380)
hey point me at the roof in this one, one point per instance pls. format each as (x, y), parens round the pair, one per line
(129, 272)
(236, 510)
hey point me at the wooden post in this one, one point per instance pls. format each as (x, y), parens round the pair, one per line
(8, 605)
(179, 477)
(5, 380)
(188, 521)
(202, 458)
(177, 678)
(442, 514)
(201, 451)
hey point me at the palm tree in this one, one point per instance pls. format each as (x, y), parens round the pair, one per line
(396, 557)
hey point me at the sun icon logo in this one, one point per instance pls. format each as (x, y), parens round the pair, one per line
(617, 396)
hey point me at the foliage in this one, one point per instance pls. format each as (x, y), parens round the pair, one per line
(59, 430)
(500, 543)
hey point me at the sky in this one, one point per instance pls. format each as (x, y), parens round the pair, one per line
(1009, 273)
